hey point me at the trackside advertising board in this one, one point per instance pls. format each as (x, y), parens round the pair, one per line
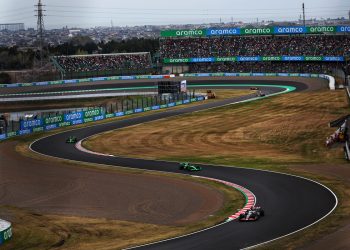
(183, 33)
(75, 118)
(256, 59)
(5, 231)
(273, 30)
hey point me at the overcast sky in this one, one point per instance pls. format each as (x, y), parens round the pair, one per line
(91, 13)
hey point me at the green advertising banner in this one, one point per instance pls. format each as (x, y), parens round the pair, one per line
(92, 113)
(313, 58)
(86, 120)
(257, 31)
(38, 129)
(53, 119)
(321, 29)
(257, 59)
(226, 59)
(270, 30)
(183, 33)
(178, 60)
(271, 58)
(64, 124)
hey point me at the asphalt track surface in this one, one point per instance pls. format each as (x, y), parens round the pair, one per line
(115, 86)
(290, 203)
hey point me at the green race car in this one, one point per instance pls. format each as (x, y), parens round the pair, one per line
(71, 139)
(189, 167)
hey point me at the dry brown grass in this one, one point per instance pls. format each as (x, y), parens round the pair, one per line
(35, 231)
(290, 128)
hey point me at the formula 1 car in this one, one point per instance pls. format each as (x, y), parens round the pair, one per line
(253, 214)
(71, 139)
(189, 167)
(260, 94)
(254, 88)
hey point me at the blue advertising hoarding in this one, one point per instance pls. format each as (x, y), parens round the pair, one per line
(31, 124)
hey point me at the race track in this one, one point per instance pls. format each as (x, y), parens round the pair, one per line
(290, 203)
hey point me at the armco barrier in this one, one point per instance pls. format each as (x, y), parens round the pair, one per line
(330, 79)
(5, 231)
(71, 119)
(112, 78)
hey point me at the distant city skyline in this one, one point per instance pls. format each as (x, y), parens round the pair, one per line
(91, 13)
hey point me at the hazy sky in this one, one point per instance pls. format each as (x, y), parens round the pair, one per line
(91, 13)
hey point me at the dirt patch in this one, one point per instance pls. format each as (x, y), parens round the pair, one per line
(48, 187)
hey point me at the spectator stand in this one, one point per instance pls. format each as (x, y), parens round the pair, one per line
(96, 65)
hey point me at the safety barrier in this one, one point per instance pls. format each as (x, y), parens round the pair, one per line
(330, 79)
(5, 231)
(71, 119)
(114, 78)
(95, 79)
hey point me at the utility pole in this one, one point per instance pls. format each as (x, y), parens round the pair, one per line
(303, 14)
(349, 15)
(40, 28)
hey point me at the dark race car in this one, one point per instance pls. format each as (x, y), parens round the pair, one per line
(253, 214)
(71, 139)
(254, 88)
(260, 94)
(189, 167)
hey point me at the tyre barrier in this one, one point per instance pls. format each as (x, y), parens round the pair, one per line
(5, 231)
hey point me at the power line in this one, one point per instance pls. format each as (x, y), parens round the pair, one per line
(189, 9)
(16, 10)
(18, 13)
(175, 14)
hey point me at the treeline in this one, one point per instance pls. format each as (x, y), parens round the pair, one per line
(15, 59)
(84, 45)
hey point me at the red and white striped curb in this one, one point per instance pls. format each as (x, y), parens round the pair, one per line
(250, 197)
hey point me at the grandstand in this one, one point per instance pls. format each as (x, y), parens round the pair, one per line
(80, 66)
(263, 50)
(323, 50)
